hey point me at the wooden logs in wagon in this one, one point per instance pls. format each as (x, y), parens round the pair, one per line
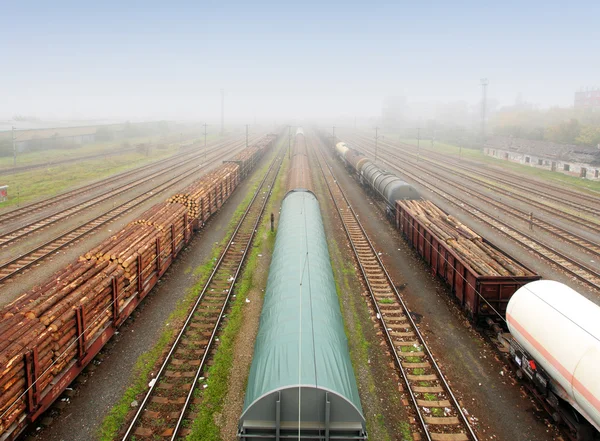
(472, 249)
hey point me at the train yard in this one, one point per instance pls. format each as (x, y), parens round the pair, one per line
(576, 250)
(452, 385)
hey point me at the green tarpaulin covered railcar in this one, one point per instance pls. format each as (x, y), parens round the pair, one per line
(301, 382)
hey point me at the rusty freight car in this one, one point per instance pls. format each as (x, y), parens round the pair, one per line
(481, 276)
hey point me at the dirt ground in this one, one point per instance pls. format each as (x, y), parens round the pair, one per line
(481, 380)
(77, 415)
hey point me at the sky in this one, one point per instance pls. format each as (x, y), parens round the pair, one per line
(276, 60)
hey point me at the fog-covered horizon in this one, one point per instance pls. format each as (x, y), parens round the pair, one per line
(169, 61)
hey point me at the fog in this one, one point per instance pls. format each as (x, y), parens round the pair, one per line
(279, 61)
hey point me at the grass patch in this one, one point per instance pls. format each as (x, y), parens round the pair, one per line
(405, 431)
(418, 371)
(205, 427)
(147, 361)
(430, 397)
(437, 412)
(478, 155)
(386, 301)
(41, 183)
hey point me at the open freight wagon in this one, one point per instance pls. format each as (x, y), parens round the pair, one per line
(478, 294)
(51, 332)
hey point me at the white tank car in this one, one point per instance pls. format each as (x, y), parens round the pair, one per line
(561, 331)
(341, 149)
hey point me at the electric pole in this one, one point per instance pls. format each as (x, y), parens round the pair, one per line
(222, 112)
(205, 142)
(14, 138)
(333, 139)
(418, 143)
(377, 137)
(246, 135)
(289, 141)
(484, 84)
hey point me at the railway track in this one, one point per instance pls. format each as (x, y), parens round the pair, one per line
(592, 211)
(585, 245)
(165, 407)
(10, 268)
(439, 413)
(35, 207)
(574, 268)
(27, 229)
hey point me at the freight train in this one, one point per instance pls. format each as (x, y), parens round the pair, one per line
(385, 184)
(50, 333)
(554, 342)
(554, 339)
(301, 383)
(482, 278)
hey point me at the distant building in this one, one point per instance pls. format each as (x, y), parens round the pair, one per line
(573, 160)
(588, 99)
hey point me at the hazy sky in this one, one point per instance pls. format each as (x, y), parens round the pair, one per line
(277, 59)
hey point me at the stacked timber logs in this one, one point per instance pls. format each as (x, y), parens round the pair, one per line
(44, 319)
(473, 250)
(47, 331)
(203, 198)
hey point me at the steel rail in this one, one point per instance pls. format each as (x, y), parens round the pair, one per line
(35, 206)
(133, 424)
(586, 245)
(30, 258)
(523, 198)
(380, 315)
(31, 227)
(571, 266)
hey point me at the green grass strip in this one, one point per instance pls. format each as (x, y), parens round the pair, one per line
(148, 361)
(204, 427)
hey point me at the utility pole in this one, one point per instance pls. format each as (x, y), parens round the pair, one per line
(222, 112)
(289, 141)
(246, 135)
(377, 137)
(14, 138)
(204, 142)
(484, 84)
(418, 143)
(333, 139)
(433, 135)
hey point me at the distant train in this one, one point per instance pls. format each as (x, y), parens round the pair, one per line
(301, 383)
(554, 342)
(387, 185)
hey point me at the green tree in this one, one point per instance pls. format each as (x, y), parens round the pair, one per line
(566, 132)
(589, 135)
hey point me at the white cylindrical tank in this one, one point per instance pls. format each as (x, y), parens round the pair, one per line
(561, 330)
(341, 149)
